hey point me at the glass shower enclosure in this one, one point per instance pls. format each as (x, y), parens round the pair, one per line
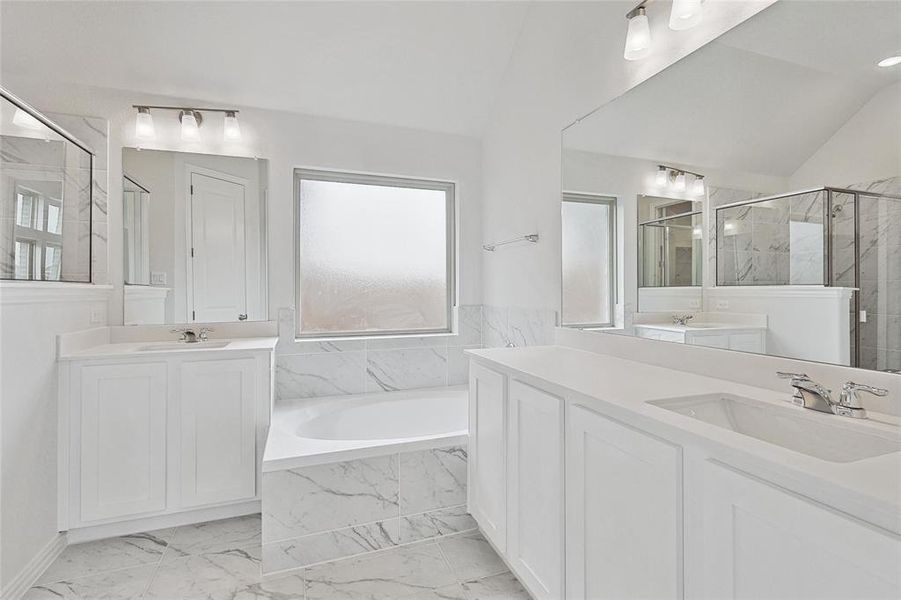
(827, 236)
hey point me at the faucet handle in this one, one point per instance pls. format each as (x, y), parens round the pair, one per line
(787, 375)
(203, 333)
(850, 388)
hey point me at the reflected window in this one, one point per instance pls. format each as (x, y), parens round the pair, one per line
(45, 200)
(589, 260)
(374, 254)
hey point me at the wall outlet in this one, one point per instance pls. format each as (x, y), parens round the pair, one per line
(694, 303)
(97, 315)
(158, 278)
(722, 304)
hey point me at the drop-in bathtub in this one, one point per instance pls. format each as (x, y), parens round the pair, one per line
(349, 475)
(336, 428)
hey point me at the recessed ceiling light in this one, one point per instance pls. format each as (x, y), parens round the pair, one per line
(891, 61)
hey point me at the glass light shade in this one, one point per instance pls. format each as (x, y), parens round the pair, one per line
(697, 188)
(144, 125)
(680, 182)
(638, 37)
(891, 61)
(661, 176)
(190, 129)
(232, 130)
(685, 14)
(23, 119)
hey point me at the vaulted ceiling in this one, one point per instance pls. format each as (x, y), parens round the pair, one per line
(426, 65)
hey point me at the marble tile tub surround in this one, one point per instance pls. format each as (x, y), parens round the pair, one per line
(220, 560)
(315, 368)
(325, 512)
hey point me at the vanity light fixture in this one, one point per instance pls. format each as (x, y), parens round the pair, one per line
(661, 175)
(232, 130)
(190, 124)
(891, 61)
(679, 182)
(190, 120)
(25, 120)
(685, 14)
(144, 124)
(697, 186)
(638, 35)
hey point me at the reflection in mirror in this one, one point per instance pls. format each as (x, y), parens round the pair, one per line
(759, 186)
(45, 199)
(588, 267)
(194, 237)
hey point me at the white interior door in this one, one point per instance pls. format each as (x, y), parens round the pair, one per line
(218, 278)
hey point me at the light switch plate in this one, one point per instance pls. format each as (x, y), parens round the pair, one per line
(722, 304)
(158, 278)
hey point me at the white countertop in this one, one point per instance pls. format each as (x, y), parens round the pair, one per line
(137, 349)
(701, 328)
(868, 489)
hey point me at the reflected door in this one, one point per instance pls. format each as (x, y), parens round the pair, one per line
(218, 281)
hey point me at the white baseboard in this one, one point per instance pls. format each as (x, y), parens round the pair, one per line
(108, 530)
(27, 577)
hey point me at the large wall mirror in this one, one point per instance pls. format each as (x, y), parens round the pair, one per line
(194, 237)
(757, 184)
(45, 198)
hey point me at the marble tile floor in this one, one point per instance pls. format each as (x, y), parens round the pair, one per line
(220, 560)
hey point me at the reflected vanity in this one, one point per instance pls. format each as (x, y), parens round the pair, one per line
(194, 237)
(752, 214)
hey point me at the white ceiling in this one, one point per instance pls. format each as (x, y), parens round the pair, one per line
(762, 98)
(427, 65)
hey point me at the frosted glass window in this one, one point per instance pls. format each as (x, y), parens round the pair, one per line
(374, 254)
(588, 260)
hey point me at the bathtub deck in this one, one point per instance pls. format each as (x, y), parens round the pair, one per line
(221, 559)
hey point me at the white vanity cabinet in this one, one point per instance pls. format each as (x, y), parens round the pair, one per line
(583, 503)
(623, 511)
(761, 541)
(488, 451)
(534, 480)
(120, 420)
(143, 437)
(746, 339)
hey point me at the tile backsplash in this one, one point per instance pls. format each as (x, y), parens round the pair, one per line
(314, 368)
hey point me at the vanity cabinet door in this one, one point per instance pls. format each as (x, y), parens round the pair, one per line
(217, 431)
(487, 448)
(120, 419)
(623, 511)
(760, 541)
(535, 490)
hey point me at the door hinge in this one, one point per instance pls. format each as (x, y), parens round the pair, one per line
(193, 315)
(192, 189)
(192, 252)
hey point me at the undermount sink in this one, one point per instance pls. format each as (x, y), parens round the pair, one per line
(168, 346)
(831, 438)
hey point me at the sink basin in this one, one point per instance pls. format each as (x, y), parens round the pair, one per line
(169, 346)
(831, 438)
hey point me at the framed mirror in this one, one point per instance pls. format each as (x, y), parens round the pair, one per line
(758, 184)
(194, 236)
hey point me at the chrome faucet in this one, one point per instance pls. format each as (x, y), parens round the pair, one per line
(682, 319)
(811, 394)
(849, 404)
(188, 336)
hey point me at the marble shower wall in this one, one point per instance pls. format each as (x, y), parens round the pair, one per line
(770, 243)
(325, 512)
(94, 132)
(503, 325)
(309, 369)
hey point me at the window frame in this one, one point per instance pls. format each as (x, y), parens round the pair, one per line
(611, 202)
(449, 189)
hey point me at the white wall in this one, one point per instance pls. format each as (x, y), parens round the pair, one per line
(865, 148)
(562, 69)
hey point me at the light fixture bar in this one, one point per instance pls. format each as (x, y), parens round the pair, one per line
(187, 108)
(679, 170)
